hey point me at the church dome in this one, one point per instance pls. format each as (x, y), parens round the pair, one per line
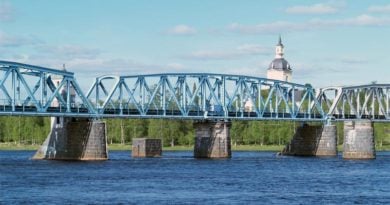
(279, 64)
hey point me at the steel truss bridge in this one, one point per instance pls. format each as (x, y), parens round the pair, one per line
(30, 90)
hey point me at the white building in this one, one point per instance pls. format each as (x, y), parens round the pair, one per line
(279, 68)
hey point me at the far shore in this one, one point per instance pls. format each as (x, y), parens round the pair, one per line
(124, 147)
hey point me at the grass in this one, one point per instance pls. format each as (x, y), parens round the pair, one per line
(382, 148)
(190, 148)
(15, 146)
(127, 147)
(119, 147)
(273, 148)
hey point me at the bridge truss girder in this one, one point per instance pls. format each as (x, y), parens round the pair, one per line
(356, 102)
(30, 90)
(203, 96)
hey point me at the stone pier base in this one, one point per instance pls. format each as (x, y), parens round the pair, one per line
(327, 144)
(212, 140)
(359, 140)
(74, 139)
(313, 140)
(143, 147)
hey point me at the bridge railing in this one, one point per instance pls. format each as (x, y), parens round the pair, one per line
(34, 90)
(356, 102)
(203, 95)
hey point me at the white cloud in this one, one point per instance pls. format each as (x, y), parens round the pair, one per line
(362, 20)
(6, 11)
(69, 52)
(285, 26)
(240, 51)
(253, 49)
(353, 61)
(305, 72)
(249, 70)
(94, 67)
(7, 40)
(84, 61)
(175, 66)
(211, 55)
(182, 30)
(274, 27)
(379, 9)
(312, 9)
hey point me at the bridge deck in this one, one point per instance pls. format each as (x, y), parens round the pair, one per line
(175, 114)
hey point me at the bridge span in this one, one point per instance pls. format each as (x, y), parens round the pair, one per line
(211, 100)
(29, 90)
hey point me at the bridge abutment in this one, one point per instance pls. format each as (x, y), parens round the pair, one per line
(74, 139)
(212, 139)
(313, 140)
(359, 140)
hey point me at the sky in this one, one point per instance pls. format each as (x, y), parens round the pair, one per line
(326, 42)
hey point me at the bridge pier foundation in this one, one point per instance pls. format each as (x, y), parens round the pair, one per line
(359, 140)
(313, 140)
(212, 139)
(144, 147)
(74, 139)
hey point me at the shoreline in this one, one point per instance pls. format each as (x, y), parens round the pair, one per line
(127, 147)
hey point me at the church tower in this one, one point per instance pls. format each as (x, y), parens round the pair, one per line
(279, 68)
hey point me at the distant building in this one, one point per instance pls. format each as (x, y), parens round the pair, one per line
(279, 68)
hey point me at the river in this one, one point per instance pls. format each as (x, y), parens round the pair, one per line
(178, 178)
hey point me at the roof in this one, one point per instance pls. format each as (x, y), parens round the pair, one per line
(279, 64)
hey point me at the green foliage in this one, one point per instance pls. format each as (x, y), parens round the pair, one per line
(34, 130)
(124, 130)
(382, 134)
(261, 132)
(172, 132)
(24, 130)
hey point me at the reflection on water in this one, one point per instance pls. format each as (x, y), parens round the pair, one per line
(176, 178)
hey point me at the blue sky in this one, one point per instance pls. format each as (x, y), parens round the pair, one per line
(326, 42)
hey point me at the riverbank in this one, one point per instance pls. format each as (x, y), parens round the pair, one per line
(124, 147)
(189, 148)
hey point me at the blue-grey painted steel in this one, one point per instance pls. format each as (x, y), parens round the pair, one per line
(30, 90)
(203, 96)
(356, 102)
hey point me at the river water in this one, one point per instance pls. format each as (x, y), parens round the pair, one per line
(178, 178)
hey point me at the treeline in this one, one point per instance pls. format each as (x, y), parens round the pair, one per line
(182, 132)
(24, 130)
(34, 130)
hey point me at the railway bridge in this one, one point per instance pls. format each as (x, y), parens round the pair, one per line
(211, 100)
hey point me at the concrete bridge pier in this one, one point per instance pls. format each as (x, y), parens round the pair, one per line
(74, 139)
(313, 140)
(146, 147)
(359, 140)
(212, 139)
